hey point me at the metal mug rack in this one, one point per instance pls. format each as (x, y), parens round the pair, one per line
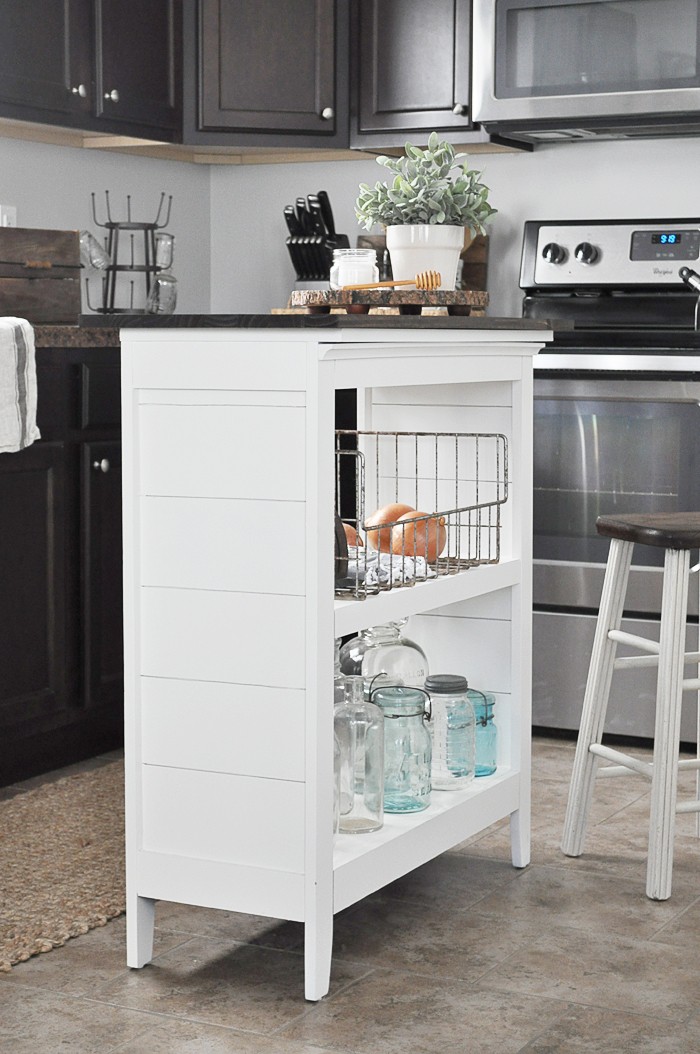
(148, 268)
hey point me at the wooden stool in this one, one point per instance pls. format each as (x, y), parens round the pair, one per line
(677, 533)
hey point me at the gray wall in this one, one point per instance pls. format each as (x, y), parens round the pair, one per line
(51, 185)
(230, 232)
(250, 265)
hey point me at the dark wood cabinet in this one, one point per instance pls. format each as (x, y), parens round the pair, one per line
(272, 72)
(107, 65)
(61, 666)
(45, 59)
(137, 62)
(411, 71)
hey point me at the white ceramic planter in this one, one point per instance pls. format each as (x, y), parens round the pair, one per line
(415, 247)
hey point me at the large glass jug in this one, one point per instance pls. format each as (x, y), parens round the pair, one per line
(407, 748)
(382, 655)
(360, 725)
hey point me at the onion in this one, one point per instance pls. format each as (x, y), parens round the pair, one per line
(381, 538)
(425, 537)
(352, 536)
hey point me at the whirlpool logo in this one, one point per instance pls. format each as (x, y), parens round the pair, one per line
(662, 271)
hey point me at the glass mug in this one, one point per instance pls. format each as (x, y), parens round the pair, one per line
(92, 254)
(164, 247)
(163, 295)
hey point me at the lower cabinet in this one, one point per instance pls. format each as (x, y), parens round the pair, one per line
(61, 666)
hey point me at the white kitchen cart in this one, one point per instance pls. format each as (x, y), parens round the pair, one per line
(230, 617)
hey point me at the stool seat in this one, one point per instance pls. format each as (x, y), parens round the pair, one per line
(677, 533)
(667, 530)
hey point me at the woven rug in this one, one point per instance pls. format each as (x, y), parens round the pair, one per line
(61, 861)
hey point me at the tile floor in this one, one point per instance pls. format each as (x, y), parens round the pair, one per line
(464, 956)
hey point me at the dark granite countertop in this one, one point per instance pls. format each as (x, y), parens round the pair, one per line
(331, 321)
(82, 336)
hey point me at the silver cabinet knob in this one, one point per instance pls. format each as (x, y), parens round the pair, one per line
(112, 95)
(459, 109)
(327, 113)
(101, 466)
(81, 90)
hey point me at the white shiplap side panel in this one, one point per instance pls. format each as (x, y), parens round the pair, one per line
(232, 819)
(215, 543)
(202, 362)
(246, 730)
(219, 452)
(242, 638)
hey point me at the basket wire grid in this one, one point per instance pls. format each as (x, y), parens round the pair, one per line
(461, 477)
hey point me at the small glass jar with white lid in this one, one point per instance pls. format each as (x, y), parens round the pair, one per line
(353, 267)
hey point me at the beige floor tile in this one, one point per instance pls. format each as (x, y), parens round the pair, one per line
(451, 881)
(86, 962)
(230, 925)
(168, 1036)
(585, 1030)
(603, 971)
(38, 1022)
(394, 1013)
(240, 986)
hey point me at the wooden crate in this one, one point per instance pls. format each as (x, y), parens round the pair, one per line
(40, 274)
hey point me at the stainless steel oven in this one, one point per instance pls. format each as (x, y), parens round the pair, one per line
(617, 429)
(573, 69)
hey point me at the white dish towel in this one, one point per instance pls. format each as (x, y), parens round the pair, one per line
(17, 385)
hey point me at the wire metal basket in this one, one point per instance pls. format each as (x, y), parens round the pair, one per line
(454, 483)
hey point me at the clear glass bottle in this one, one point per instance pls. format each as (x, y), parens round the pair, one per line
(382, 655)
(345, 775)
(407, 748)
(453, 731)
(486, 732)
(361, 724)
(353, 266)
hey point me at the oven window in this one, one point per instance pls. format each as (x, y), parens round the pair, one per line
(560, 47)
(595, 457)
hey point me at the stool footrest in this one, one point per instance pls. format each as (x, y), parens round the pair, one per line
(625, 763)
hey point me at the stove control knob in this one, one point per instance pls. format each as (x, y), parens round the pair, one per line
(554, 253)
(586, 253)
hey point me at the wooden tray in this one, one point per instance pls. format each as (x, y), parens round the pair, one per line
(408, 301)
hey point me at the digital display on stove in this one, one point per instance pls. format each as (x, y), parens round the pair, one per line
(665, 245)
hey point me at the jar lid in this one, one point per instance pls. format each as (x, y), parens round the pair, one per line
(399, 700)
(448, 683)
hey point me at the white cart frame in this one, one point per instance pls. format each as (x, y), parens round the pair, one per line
(230, 618)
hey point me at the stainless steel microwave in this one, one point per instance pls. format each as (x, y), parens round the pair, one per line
(545, 70)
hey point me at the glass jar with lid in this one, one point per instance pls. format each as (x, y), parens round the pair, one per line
(353, 267)
(360, 724)
(344, 775)
(453, 731)
(407, 748)
(382, 655)
(486, 732)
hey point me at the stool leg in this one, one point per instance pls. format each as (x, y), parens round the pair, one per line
(595, 702)
(669, 694)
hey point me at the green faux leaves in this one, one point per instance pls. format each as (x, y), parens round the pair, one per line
(434, 185)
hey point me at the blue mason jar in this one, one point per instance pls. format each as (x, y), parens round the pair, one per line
(407, 748)
(486, 732)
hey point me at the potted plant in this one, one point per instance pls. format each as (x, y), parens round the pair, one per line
(432, 198)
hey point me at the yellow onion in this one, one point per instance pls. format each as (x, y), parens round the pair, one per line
(380, 538)
(419, 534)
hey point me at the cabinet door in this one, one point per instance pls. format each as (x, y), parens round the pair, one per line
(45, 55)
(101, 574)
(267, 66)
(33, 675)
(137, 62)
(411, 71)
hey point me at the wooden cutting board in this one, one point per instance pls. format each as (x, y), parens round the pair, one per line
(408, 301)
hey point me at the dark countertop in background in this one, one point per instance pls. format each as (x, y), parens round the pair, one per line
(302, 321)
(83, 336)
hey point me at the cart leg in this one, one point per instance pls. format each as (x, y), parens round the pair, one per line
(140, 922)
(520, 837)
(318, 947)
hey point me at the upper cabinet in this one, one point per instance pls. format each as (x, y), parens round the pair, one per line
(137, 62)
(98, 65)
(270, 71)
(410, 74)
